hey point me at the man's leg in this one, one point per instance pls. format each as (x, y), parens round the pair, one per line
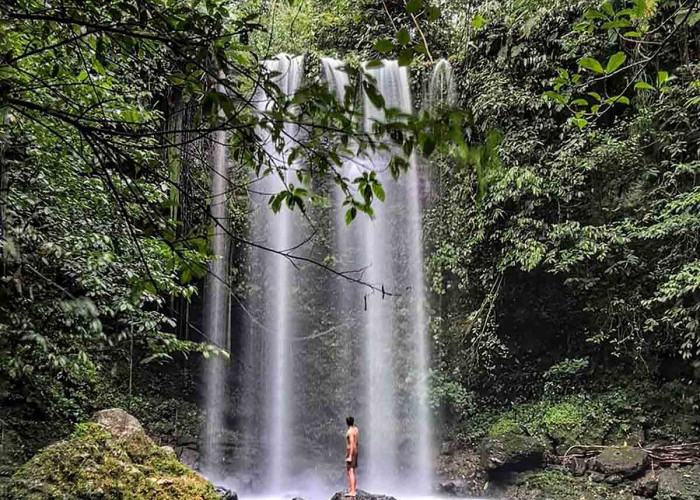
(349, 472)
(352, 476)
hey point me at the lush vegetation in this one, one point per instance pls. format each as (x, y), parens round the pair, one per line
(563, 236)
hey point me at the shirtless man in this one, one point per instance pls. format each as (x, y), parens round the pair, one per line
(351, 440)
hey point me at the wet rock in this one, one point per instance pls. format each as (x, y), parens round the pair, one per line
(362, 495)
(118, 422)
(189, 456)
(511, 453)
(225, 493)
(679, 484)
(647, 486)
(454, 487)
(596, 477)
(614, 479)
(626, 462)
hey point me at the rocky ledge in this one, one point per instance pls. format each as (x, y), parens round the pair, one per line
(362, 495)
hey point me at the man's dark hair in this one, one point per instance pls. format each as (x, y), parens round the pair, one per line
(350, 421)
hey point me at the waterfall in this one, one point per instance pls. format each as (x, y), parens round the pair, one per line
(216, 306)
(320, 348)
(277, 231)
(441, 89)
(394, 413)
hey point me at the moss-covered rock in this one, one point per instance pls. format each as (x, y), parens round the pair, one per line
(511, 452)
(558, 485)
(679, 484)
(95, 464)
(564, 424)
(627, 461)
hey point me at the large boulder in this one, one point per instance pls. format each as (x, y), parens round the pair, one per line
(108, 462)
(362, 495)
(118, 422)
(512, 452)
(627, 462)
(679, 484)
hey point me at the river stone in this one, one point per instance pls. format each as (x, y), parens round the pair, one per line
(362, 495)
(679, 484)
(627, 462)
(511, 453)
(118, 422)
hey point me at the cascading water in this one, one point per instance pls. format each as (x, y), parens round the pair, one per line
(399, 433)
(277, 231)
(216, 306)
(441, 89)
(320, 348)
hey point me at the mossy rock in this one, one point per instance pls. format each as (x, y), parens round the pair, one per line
(558, 485)
(679, 484)
(564, 424)
(94, 464)
(511, 452)
(628, 461)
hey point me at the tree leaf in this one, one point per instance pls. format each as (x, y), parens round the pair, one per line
(383, 46)
(556, 97)
(403, 37)
(413, 6)
(378, 191)
(350, 215)
(615, 61)
(591, 64)
(617, 23)
(433, 13)
(643, 86)
(405, 57)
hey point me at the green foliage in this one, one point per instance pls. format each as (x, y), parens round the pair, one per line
(503, 427)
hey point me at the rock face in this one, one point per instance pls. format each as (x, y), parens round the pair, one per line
(511, 453)
(113, 459)
(118, 422)
(626, 462)
(362, 495)
(679, 484)
(460, 473)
